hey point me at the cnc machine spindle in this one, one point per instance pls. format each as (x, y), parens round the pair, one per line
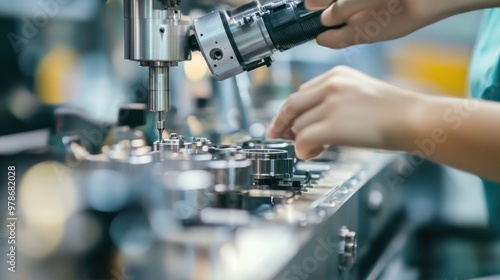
(156, 36)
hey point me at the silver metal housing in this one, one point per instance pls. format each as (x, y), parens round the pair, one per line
(233, 42)
(155, 33)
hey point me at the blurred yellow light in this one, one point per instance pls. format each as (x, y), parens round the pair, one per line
(195, 126)
(47, 197)
(433, 67)
(196, 69)
(53, 77)
(47, 194)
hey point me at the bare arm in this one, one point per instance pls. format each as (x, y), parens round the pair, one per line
(347, 107)
(461, 133)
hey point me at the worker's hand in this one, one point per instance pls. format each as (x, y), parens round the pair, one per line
(347, 107)
(370, 21)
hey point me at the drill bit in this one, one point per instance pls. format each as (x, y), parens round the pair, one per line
(160, 125)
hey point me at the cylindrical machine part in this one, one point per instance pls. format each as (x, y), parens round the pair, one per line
(156, 35)
(278, 144)
(290, 24)
(245, 38)
(155, 31)
(270, 164)
(159, 88)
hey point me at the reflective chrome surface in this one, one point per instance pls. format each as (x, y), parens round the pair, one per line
(155, 33)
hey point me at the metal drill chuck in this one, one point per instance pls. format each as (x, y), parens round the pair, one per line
(245, 38)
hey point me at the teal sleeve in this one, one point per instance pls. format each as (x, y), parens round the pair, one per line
(484, 79)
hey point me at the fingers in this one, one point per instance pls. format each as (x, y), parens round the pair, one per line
(317, 4)
(320, 81)
(288, 134)
(309, 96)
(311, 117)
(296, 104)
(310, 141)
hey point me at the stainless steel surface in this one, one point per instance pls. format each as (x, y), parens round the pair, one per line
(159, 87)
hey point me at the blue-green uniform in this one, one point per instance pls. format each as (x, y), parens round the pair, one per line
(485, 84)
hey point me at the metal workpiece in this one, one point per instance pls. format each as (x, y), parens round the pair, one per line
(230, 167)
(224, 152)
(133, 152)
(200, 145)
(188, 198)
(121, 155)
(173, 144)
(277, 144)
(227, 164)
(124, 143)
(270, 164)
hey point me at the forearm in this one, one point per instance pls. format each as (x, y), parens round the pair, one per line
(461, 133)
(446, 8)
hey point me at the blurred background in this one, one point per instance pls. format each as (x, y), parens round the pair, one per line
(69, 54)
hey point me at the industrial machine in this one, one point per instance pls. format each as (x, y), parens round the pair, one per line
(158, 36)
(194, 209)
(106, 198)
